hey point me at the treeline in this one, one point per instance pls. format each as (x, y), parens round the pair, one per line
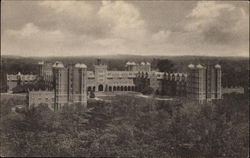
(129, 127)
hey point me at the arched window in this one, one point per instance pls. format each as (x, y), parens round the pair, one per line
(110, 88)
(100, 87)
(129, 89)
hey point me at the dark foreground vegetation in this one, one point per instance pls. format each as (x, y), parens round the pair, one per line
(129, 127)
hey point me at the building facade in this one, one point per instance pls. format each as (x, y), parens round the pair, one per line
(103, 80)
(19, 79)
(170, 84)
(41, 97)
(202, 83)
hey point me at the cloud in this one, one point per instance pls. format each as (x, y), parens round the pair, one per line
(32, 40)
(120, 27)
(161, 36)
(28, 30)
(77, 17)
(209, 9)
(123, 19)
(217, 23)
(33, 32)
(79, 9)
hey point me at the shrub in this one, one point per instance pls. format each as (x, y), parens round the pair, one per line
(147, 90)
(92, 94)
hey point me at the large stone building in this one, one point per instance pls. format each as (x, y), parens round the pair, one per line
(101, 79)
(72, 83)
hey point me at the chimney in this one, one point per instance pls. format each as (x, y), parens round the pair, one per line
(98, 61)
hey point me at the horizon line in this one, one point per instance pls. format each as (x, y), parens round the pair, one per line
(49, 56)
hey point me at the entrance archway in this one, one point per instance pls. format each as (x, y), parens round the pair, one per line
(100, 87)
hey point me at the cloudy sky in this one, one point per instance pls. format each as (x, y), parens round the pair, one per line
(78, 28)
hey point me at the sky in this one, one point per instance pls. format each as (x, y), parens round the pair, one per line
(93, 28)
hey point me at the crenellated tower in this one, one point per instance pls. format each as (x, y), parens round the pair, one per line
(204, 82)
(60, 81)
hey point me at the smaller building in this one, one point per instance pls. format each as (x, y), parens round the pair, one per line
(37, 97)
(19, 79)
(143, 66)
(228, 90)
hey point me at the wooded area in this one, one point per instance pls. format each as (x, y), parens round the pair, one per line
(129, 127)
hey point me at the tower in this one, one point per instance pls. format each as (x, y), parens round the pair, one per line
(196, 82)
(60, 85)
(100, 75)
(201, 80)
(204, 83)
(217, 81)
(41, 66)
(80, 84)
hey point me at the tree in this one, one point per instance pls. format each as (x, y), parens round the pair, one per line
(128, 126)
(157, 92)
(165, 65)
(147, 90)
(92, 94)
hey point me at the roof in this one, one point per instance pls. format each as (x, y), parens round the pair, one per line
(217, 66)
(58, 64)
(40, 62)
(199, 66)
(133, 63)
(128, 63)
(191, 66)
(148, 63)
(78, 65)
(29, 77)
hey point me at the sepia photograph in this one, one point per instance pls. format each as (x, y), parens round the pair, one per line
(124, 78)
